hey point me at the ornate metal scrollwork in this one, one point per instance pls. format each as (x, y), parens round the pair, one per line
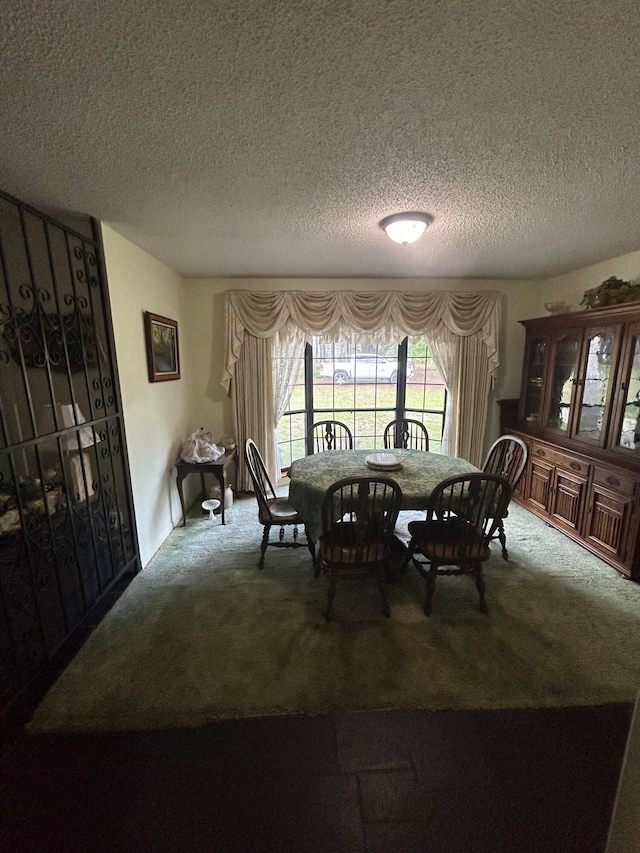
(37, 337)
(65, 501)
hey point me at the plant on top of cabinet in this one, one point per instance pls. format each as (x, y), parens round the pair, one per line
(613, 291)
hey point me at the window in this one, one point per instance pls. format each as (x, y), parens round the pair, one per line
(364, 386)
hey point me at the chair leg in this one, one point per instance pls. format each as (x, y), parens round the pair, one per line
(386, 607)
(431, 588)
(481, 587)
(333, 575)
(263, 547)
(503, 540)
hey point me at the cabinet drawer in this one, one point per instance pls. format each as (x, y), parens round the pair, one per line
(559, 459)
(615, 480)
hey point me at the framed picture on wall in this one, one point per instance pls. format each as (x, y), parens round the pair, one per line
(163, 354)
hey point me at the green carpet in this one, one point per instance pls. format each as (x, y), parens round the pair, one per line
(201, 635)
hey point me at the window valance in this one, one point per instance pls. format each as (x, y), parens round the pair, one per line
(389, 314)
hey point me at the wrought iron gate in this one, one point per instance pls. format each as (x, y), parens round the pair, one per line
(67, 526)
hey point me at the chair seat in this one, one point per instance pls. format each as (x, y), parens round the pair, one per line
(281, 512)
(343, 544)
(446, 540)
(339, 552)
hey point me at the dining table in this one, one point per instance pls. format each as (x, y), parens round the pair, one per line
(420, 472)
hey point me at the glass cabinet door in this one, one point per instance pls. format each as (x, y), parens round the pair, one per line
(594, 383)
(534, 379)
(561, 393)
(626, 436)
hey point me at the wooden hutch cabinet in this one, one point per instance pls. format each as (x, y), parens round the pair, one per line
(579, 414)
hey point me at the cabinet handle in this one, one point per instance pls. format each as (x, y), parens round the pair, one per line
(540, 452)
(613, 481)
(575, 465)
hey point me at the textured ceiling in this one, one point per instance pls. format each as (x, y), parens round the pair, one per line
(242, 138)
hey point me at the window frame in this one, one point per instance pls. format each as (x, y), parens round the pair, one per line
(399, 410)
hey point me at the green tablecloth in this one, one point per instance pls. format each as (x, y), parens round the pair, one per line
(421, 472)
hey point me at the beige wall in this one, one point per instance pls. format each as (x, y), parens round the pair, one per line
(572, 286)
(156, 415)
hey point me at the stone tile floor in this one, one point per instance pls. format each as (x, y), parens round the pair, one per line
(495, 781)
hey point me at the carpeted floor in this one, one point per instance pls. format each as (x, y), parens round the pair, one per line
(201, 635)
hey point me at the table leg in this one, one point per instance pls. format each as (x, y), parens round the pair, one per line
(179, 480)
(220, 477)
(398, 561)
(311, 545)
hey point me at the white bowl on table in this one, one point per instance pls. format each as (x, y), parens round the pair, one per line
(383, 462)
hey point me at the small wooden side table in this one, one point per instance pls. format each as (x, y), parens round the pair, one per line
(218, 469)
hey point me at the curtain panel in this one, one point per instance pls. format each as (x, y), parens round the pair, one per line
(462, 330)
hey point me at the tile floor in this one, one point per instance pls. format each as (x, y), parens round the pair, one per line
(496, 781)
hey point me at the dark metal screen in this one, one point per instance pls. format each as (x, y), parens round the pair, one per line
(67, 528)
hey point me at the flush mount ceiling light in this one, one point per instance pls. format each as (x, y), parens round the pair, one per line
(406, 227)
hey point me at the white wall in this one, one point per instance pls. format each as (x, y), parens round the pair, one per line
(521, 300)
(156, 415)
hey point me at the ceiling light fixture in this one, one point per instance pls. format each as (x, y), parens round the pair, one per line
(406, 227)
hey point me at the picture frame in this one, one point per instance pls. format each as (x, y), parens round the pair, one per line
(163, 352)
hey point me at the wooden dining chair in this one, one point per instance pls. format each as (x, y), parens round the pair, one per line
(330, 435)
(507, 457)
(406, 432)
(358, 518)
(273, 511)
(462, 515)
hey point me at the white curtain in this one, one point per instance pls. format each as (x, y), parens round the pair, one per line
(288, 347)
(443, 345)
(446, 319)
(288, 355)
